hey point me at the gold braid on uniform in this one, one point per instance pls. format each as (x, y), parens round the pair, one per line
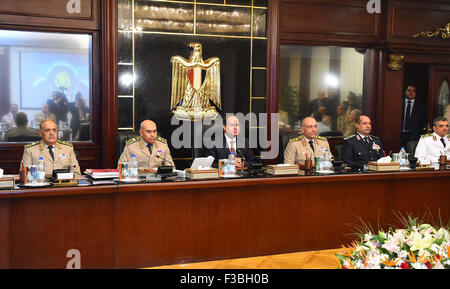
(297, 138)
(349, 137)
(32, 144)
(161, 139)
(426, 135)
(321, 138)
(133, 140)
(65, 143)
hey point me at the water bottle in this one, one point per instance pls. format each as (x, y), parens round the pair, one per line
(133, 167)
(231, 165)
(403, 158)
(40, 171)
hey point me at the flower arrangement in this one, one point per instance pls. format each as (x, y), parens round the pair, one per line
(417, 246)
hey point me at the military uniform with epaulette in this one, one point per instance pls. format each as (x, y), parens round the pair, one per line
(63, 156)
(359, 150)
(431, 146)
(299, 148)
(147, 159)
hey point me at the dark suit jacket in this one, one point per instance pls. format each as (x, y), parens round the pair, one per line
(356, 152)
(59, 107)
(314, 105)
(418, 119)
(224, 151)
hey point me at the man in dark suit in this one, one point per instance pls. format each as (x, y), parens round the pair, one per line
(413, 118)
(360, 148)
(59, 105)
(321, 100)
(230, 144)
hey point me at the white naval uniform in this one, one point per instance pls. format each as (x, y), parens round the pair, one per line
(430, 147)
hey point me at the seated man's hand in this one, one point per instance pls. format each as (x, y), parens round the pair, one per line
(238, 163)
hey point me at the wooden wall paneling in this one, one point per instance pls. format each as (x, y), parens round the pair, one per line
(407, 18)
(109, 50)
(322, 21)
(50, 13)
(389, 103)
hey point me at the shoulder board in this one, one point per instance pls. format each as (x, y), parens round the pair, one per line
(161, 139)
(32, 144)
(133, 140)
(426, 135)
(65, 143)
(297, 138)
(349, 137)
(321, 138)
(374, 137)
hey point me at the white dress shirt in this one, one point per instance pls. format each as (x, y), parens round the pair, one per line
(229, 140)
(430, 148)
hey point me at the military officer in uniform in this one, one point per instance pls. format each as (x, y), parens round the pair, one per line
(362, 147)
(150, 149)
(57, 154)
(307, 145)
(432, 145)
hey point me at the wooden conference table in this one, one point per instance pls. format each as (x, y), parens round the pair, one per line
(153, 224)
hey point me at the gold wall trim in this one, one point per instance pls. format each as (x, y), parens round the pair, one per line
(443, 32)
(192, 34)
(210, 4)
(258, 97)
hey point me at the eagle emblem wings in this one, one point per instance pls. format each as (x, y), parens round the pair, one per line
(195, 85)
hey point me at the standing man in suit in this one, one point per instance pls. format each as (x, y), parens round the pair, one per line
(362, 147)
(413, 117)
(57, 154)
(309, 143)
(231, 130)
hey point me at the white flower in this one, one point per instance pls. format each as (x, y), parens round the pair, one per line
(399, 237)
(418, 266)
(391, 246)
(436, 248)
(367, 237)
(402, 254)
(419, 243)
(447, 262)
(438, 266)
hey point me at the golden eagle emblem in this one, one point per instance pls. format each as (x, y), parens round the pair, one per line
(195, 86)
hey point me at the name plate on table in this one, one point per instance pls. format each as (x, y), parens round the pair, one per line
(282, 170)
(64, 176)
(200, 174)
(6, 182)
(387, 167)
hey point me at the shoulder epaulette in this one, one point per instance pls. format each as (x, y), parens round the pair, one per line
(65, 143)
(374, 137)
(32, 144)
(321, 137)
(133, 140)
(349, 137)
(426, 135)
(296, 138)
(161, 139)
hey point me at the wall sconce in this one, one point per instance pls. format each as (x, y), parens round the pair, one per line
(395, 62)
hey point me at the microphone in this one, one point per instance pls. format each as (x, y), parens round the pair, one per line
(165, 171)
(164, 159)
(251, 167)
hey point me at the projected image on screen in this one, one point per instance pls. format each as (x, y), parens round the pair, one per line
(41, 73)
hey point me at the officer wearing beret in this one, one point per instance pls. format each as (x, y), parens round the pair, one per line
(150, 149)
(432, 145)
(308, 145)
(57, 154)
(362, 147)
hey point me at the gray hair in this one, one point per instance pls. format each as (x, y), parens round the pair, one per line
(437, 119)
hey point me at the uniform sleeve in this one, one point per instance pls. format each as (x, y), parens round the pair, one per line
(421, 152)
(347, 153)
(26, 158)
(289, 154)
(168, 156)
(125, 156)
(74, 163)
(328, 148)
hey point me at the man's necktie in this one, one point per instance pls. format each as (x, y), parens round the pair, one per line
(408, 116)
(443, 142)
(150, 148)
(50, 150)
(232, 147)
(311, 144)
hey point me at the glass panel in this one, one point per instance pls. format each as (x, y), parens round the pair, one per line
(126, 112)
(324, 81)
(223, 20)
(444, 100)
(44, 76)
(164, 17)
(260, 22)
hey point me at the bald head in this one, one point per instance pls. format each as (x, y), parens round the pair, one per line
(148, 131)
(309, 127)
